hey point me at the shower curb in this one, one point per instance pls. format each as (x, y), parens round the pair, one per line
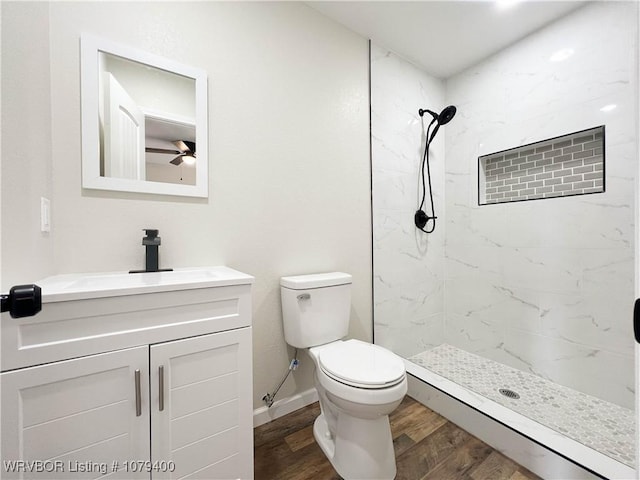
(532, 445)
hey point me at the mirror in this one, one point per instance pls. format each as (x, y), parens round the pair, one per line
(144, 122)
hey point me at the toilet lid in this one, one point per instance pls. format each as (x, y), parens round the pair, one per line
(361, 364)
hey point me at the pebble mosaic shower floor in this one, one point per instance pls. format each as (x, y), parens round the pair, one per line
(598, 424)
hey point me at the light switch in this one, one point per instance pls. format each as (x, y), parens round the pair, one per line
(45, 215)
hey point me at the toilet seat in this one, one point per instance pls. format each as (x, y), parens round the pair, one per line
(361, 365)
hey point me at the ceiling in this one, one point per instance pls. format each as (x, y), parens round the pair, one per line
(445, 37)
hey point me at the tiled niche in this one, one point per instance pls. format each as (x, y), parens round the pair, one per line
(572, 164)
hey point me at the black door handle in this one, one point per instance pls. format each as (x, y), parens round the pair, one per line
(636, 320)
(22, 301)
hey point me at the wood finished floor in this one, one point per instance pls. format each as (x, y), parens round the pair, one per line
(427, 446)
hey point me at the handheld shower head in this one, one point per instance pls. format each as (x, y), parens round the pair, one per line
(444, 117)
(447, 114)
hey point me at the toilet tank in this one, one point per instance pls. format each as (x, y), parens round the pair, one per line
(315, 308)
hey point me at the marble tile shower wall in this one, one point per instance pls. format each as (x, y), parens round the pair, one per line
(408, 267)
(547, 286)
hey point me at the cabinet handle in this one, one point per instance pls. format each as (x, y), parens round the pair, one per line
(138, 398)
(636, 320)
(161, 388)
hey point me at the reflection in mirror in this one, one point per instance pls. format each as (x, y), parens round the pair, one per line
(144, 122)
(144, 132)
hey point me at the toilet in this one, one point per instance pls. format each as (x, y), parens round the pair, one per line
(358, 384)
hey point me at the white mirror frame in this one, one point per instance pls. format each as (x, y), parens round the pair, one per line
(91, 178)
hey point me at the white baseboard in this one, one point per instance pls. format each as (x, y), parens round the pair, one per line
(284, 406)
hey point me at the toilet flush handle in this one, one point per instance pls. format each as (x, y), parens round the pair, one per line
(304, 296)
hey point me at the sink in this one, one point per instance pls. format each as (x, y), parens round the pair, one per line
(122, 280)
(92, 285)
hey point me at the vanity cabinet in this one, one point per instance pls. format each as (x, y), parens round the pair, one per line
(199, 419)
(169, 396)
(66, 415)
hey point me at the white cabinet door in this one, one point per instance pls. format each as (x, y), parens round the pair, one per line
(75, 418)
(201, 411)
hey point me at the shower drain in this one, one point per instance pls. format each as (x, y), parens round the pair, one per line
(509, 393)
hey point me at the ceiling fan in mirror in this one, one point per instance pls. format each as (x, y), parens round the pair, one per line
(186, 152)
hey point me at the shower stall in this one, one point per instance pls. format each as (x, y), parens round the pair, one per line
(519, 307)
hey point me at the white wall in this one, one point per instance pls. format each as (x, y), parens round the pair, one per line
(147, 86)
(185, 174)
(547, 286)
(289, 149)
(27, 254)
(408, 264)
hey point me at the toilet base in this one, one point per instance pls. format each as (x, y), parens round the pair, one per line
(361, 449)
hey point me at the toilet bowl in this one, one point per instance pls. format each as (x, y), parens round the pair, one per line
(359, 384)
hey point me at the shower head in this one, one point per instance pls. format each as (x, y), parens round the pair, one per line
(446, 115)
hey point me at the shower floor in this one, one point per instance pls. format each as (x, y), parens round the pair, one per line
(603, 426)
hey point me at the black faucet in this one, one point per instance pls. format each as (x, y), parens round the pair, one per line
(151, 243)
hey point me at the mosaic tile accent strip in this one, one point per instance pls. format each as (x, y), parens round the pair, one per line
(598, 424)
(569, 165)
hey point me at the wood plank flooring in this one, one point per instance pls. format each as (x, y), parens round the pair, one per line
(427, 447)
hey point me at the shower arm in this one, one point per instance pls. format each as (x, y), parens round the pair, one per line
(421, 112)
